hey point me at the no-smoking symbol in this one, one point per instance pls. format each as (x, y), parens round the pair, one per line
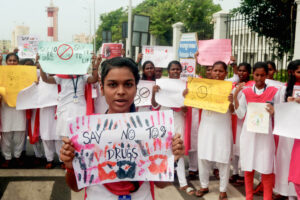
(190, 69)
(65, 52)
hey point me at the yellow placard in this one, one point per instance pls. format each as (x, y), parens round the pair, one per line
(14, 78)
(208, 94)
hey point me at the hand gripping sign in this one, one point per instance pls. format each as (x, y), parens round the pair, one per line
(123, 147)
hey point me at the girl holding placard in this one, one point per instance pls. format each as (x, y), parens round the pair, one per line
(215, 142)
(257, 150)
(119, 79)
(13, 126)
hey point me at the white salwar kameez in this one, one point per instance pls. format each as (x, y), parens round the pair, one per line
(193, 152)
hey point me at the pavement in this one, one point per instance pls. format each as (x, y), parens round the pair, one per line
(38, 183)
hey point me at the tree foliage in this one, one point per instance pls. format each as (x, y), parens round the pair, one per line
(195, 14)
(273, 19)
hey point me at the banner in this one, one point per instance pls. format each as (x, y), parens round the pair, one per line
(65, 58)
(188, 45)
(170, 93)
(28, 46)
(159, 55)
(123, 147)
(111, 50)
(144, 93)
(208, 94)
(37, 96)
(211, 51)
(258, 118)
(15, 78)
(188, 68)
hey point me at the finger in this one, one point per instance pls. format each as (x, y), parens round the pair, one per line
(66, 140)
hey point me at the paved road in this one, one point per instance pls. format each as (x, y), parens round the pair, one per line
(44, 184)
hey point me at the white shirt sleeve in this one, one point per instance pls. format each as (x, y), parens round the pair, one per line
(242, 109)
(57, 79)
(233, 79)
(85, 77)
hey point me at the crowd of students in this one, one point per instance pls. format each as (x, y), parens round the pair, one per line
(219, 142)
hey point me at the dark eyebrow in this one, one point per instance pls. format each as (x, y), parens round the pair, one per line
(117, 80)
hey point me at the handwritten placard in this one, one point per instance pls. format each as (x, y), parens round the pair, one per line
(28, 46)
(144, 93)
(258, 118)
(286, 120)
(123, 147)
(188, 68)
(208, 94)
(37, 96)
(188, 45)
(170, 93)
(211, 51)
(159, 55)
(15, 78)
(111, 50)
(65, 57)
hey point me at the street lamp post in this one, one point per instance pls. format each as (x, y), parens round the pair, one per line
(129, 35)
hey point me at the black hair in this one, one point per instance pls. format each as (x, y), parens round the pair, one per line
(23, 61)
(174, 62)
(119, 62)
(261, 65)
(220, 63)
(272, 64)
(247, 65)
(12, 54)
(144, 66)
(293, 65)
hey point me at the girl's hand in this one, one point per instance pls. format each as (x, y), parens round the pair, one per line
(1, 58)
(177, 147)
(185, 92)
(290, 99)
(67, 153)
(230, 98)
(155, 89)
(240, 87)
(196, 55)
(139, 58)
(270, 109)
(297, 99)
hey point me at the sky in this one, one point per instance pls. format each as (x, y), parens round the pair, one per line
(73, 15)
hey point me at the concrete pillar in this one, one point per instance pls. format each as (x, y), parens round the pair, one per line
(153, 40)
(177, 31)
(297, 33)
(220, 26)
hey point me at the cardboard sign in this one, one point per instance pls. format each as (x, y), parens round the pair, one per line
(188, 68)
(144, 93)
(123, 147)
(208, 94)
(170, 93)
(258, 118)
(28, 46)
(65, 58)
(38, 96)
(211, 51)
(15, 78)
(159, 55)
(286, 119)
(111, 50)
(188, 45)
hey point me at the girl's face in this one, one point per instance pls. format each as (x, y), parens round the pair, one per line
(158, 72)
(271, 72)
(12, 60)
(296, 73)
(149, 70)
(218, 72)
(259, 76)
(208, 72)
(119, 89)
(243, 74)
(175, 71)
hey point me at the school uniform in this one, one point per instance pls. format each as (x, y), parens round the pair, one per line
(214, 146)
(71, 101)
(37, 146)
(257, 151)
(13, 127)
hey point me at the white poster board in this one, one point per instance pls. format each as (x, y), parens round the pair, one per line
(144, 93)
(188, 68)
(159, 55)
(28, 46)
(258, 118)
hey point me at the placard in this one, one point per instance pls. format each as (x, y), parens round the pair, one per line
(123, 147)
(211, 51)
(258, 118)
(15, 78)
(188, 45)
(144, 93)
(159, 55)
(28, 46)
(188, 68)
(111, 50)
(65, 57)
(208, 94)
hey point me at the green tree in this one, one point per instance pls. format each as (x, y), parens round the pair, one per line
(273, 19)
